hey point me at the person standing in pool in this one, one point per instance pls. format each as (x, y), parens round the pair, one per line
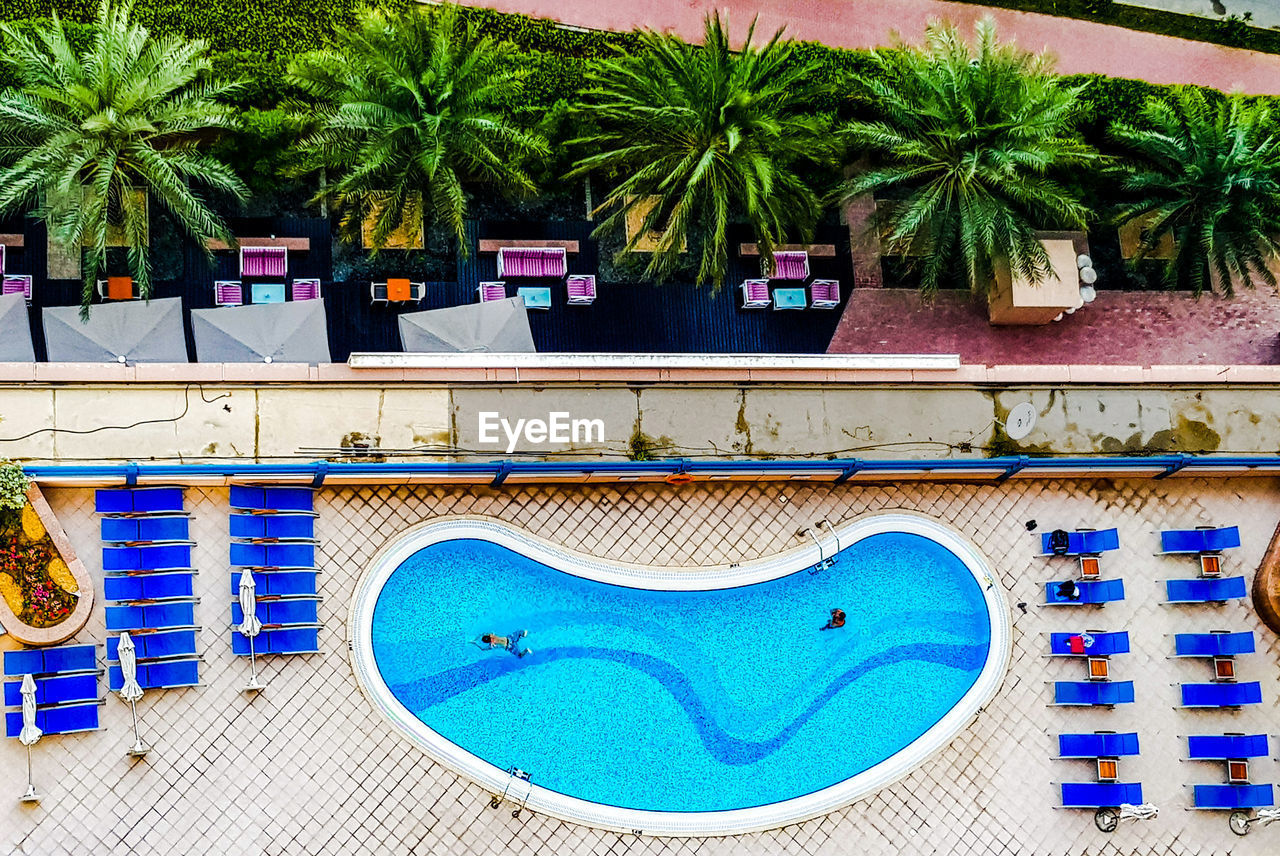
(837, 620)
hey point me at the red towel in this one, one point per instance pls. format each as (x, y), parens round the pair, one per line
(1077, 644)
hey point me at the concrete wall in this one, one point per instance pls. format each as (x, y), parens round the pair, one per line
(879, 421)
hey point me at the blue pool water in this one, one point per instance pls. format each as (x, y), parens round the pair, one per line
(683, 701)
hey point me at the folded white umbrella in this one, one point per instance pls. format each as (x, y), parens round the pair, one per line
(1146, 811)
(131, 690)
(30, 734)
(250, 626)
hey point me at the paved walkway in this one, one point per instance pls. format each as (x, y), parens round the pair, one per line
(1119, 328)
(1081, 46)
(309, 767)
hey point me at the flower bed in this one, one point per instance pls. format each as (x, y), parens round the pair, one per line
(45, 592)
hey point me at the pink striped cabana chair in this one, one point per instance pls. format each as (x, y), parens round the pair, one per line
(582, 289)
(532, 262)
(488, 291)
(264, 261)
(824, 294)
(755, 294)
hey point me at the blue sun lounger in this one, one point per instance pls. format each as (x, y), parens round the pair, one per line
(1205, 590)
(1098, 745)
(1213, 644)
(1085, 543)
(1232, 797)
(279, 584)
(146, 530)
(62, 660)
(160, 616)
(149, 587)
(273, 555)
(1100, 794)
(277, 613)
(1180, 541)
(1091, 592)
(1104, 644)
(64, 719)
(58, 689)
(139, 500)
(1226, 747)
(272, 499)
(162, 557)
(288, 640)
(1092, 693)
(162, 675)
(273, 527)
(1221, 695)
(167, 644)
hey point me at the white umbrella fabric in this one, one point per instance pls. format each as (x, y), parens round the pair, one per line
(1146, 811)
(131, 690)
(30, 734)
(250, 626)
(496, 327)
(293, 332)
(131, 331)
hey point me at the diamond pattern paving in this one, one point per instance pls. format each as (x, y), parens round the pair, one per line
(307, 767)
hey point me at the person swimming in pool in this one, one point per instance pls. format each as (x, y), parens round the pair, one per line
(493, 640)
(837, 620)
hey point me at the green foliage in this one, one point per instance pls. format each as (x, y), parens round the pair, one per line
(1207, 173)
(410, 109)
(13, 486)
(711, 133)
(971, 137)
(88, 127)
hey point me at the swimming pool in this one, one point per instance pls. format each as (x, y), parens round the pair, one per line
(680, 701)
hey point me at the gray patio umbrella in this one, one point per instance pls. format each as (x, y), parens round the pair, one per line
(293, 332)
(29, 735)
(130, 689)
(134, 331)
(250, 626)
(15, 330)
(497, 327)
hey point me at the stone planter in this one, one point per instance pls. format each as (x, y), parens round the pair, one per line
(1266, 585)
(76, 619)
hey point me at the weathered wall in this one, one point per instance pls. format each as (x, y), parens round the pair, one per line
(279, 420)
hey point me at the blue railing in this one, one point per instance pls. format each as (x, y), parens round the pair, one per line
(675, 470)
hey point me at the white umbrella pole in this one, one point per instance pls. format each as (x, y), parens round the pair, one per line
(253, 669)
(139, 748)
(30, 794)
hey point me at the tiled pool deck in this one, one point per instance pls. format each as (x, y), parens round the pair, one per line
(309, 767)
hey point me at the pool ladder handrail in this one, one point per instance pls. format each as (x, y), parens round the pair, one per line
(824, 562)
(514, 774)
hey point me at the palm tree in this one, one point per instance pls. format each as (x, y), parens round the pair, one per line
(82, 132)
(714, 134)
(418, 105)
(970, 138)
(1208, 175)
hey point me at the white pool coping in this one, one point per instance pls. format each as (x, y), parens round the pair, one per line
(669, 823)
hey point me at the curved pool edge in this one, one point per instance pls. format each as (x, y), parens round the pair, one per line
(675, 578)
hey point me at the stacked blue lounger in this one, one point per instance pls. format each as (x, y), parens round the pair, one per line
(1221, 694)
(1213, 644)
(1089, 542)
(1205, 589)
(1104, 644)
(66, 688)
(1092, 693)
(1100, 794)
(1103, 744)
(1089, 592)
(150, 585)
(273, 538)
(1233, 797)
(1226, 747)
(1183, 541)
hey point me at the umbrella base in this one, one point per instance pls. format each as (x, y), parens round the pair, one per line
(31, 796)
(138, 750)
(253, 686)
